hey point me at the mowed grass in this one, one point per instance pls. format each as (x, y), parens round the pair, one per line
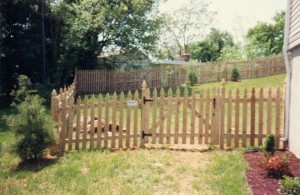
(130, 172)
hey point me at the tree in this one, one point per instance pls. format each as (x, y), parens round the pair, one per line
(266, 39)
(94, 28)
(210, 48)
(185, 26)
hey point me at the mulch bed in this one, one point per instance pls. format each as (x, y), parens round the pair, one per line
(257, 178)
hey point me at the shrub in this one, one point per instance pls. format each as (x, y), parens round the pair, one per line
(20, 91)
(276, 166)
(33, 128)
(269, 145)
(289, 185)
(193, 77)
(235, 75)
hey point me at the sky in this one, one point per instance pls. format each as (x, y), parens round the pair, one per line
(236, 16)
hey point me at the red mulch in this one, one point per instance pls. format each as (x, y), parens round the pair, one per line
(257, 178)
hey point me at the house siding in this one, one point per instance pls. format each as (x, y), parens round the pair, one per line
(294, 24)
(294, 134)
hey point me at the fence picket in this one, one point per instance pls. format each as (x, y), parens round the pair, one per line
(184, 125)
(99, 124)
(161, 115)
(177, 107)
(252, 124)
(237, 117)
(85, 115)
(106, 126)
(128, 121)
(222, 114)
(70, 133)
(170, 110)
(78, 123)
(269, 111)
(245, 113)
(193, 113)
(121, 129)
(207, 114)
(92, 124)
(277, 117)
(154, 105)
(135, 121)
(201, 107)
(114, 121)
(229, 119)
(260, 117)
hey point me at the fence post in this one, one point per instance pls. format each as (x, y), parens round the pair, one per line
(222, 104)
(53, 111)
(145, 109)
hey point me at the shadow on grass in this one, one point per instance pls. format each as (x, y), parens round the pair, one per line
(35, 165)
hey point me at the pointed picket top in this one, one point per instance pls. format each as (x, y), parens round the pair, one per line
(177, 92)
(186, 92)
(154, 93)
(100, 97)
(144, 85)
(54, 93)
(129, 95)
(60, 90)
(245, 92)
(270, 92)
(115, 97)
(85, 99)
(237, 92)
(78, 100)
(122, 95)
(93, 98)
(162, 92)
(223, 82)
(253, 92)
(230, 92)
(65, 89)
(278, 92)
(169, 92)
(136, 95)
(261, 92)
(107, 97)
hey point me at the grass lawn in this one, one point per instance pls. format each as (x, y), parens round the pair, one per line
(129, 172)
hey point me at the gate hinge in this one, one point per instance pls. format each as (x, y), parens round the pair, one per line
(146, 100)
(145, 134)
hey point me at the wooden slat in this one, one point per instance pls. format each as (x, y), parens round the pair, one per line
(161, 115)
(192, 136)
(201, 112)
(229, 118)
(121, 121)
(169, 116)
(184, 119)
(237, 118)
(64, 125)
(78, 124)
(106, 125)
(99, 125)
(177, 107)
(277, 118)
(92, 125)
(207, 114)
(154, 106)
(71, 118)
(135, 121)
(128, 121)
(85, 115)
(214, 118)
(260, 117)
(244, 139)
(222, 114)
(269, 111)
(252, 119)
(114, 121)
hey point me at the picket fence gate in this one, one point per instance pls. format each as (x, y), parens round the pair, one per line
(228, 119)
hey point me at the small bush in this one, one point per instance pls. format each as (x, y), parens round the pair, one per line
(289, 185)
(193, 78)
(33, 128)
(276, 166)
(235, 75)
(20, 91)
(269, 145)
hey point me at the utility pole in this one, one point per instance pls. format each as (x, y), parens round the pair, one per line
(43, 40)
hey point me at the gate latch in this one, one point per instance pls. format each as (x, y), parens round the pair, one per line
(146, 100)
(145, 134)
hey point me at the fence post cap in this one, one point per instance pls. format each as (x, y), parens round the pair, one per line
(54, 93)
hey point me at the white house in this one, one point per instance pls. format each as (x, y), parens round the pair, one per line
(292, 45)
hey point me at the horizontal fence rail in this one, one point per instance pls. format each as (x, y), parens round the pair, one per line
(227, 118)
(99, 81)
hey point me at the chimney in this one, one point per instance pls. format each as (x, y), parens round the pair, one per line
(185, 57)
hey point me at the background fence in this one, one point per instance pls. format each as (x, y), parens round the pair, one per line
(237, 118)
(98, 81)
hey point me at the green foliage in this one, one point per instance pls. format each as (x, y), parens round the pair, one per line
(210, 48)
(266, 39)
(33, 128)
(276, 166)
(20, 91)
(192, 77)
(235, 75)
(289, 185)
(269, 145)
(231, 53)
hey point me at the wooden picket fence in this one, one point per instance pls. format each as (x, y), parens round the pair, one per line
(99, 81)
(229, 119)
